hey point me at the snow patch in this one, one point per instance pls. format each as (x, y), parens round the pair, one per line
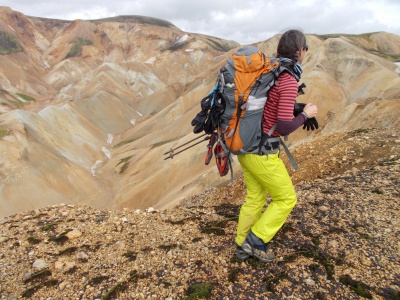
(189, 50)
(139, 113)
(106, 152)
(46, 64)
(65, 88)
(133, 122)
(11, 28)
(182, 39)
(151, 60)
(109, 138)
(94, 167)
(398, 67)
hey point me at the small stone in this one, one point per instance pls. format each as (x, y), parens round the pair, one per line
(151, 210)
(59, 264)
(323, 208)
(333, 244)
(120, 244)
(310, 281)
(365, 261)
(62, 285)
(69, 265)
(74, 234)
(39, 264)
(82, 255)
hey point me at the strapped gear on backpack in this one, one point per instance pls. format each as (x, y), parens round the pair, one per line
(233, 109)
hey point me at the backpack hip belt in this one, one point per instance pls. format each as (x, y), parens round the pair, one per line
(270, 146)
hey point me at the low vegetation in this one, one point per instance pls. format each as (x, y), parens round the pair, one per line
(8, 43)
(4, 131)
(77, 46)
(26, 97)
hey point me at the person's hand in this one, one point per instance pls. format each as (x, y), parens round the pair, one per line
(310, 124)
(311, 110)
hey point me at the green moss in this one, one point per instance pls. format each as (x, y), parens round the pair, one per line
(49, 227)
(389, 293)
(319, 256)
(125, 162)
(8, 43)
(161, 143)
(360, 288)
(4, 131)
(233, 275)
(271, 281)
(218, 46)
(365, 236)
(315, 240)
(138, 19)
(119, 287)
(26, 97)
(77, 46)
(178, 46)
(199, 290)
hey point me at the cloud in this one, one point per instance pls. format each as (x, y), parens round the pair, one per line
(243, 21)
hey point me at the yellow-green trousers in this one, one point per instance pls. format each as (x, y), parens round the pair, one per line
(264, 174)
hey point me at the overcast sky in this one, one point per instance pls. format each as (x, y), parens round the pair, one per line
(244, 21)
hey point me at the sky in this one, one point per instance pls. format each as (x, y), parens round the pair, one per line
(244, 21)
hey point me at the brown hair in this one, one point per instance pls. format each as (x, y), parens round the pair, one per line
(290, 44)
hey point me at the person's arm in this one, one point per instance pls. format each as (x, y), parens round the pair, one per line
(287, 127)
(288, 89)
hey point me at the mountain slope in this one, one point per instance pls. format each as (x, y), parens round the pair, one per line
(339, 242)
(71, 86)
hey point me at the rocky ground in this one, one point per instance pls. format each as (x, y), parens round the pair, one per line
(340, 242)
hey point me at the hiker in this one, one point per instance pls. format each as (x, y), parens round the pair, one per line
(267, 173)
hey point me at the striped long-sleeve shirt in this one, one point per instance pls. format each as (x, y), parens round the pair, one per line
(279, 107)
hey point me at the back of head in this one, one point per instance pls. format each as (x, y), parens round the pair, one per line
(290, 44)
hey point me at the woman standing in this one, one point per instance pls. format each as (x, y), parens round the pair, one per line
(267, 173)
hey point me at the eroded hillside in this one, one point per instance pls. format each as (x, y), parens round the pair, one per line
(67, 87)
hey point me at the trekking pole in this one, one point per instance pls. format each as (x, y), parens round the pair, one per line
(172, 154)
(185, 144)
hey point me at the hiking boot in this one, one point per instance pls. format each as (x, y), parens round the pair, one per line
(256, 247)
(240, 253)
